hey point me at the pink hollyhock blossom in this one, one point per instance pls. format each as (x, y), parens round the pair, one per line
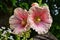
(40, 19)
(18, 21)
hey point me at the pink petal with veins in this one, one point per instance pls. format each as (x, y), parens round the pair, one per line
(20, 13)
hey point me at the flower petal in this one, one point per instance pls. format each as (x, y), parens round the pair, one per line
(41, 28)
(20, 13)
(35, 4)
(13, 20)
(18, 29)
(46, 17)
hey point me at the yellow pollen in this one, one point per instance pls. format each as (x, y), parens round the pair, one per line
(23, 22)
(37, 19)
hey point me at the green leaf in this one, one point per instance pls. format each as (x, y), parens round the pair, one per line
(31, 38)
(58, 27)
(14, 2)
(24, 5)
(3, 7)
(17, 37)
(27, 35)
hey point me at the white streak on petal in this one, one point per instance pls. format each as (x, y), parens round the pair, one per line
(13, 20)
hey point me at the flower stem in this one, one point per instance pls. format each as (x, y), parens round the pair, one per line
(40, 2)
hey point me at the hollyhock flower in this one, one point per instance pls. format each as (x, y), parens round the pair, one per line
(40, 19)
(18, 21)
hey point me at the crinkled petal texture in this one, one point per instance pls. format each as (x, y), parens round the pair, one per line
(18, 21)
(40, 19)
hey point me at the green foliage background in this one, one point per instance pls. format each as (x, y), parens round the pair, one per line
(7, 7)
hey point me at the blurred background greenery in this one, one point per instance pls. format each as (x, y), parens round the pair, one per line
(7, 7)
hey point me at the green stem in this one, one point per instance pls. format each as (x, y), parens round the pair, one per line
(40, 2)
